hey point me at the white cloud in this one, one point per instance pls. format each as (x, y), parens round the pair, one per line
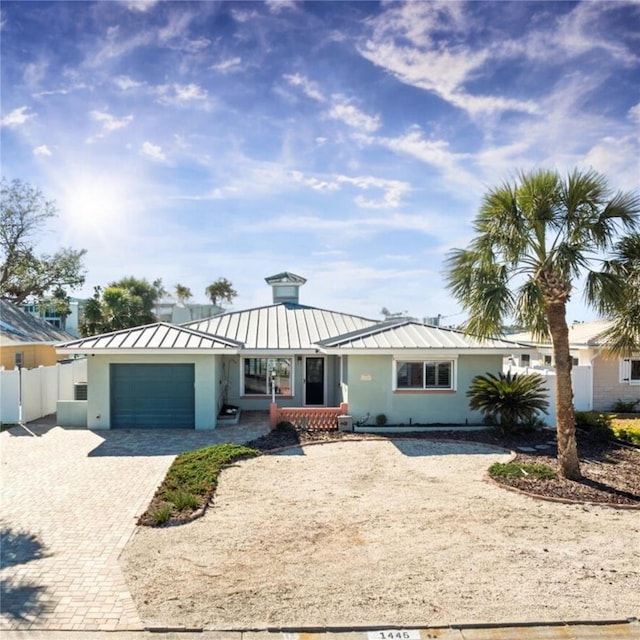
(393, 191)
(634, 113)
(125, 83)
(230, 65)
(154, 152)
(419, 44)
(580, 31)
(309, 88)
(109, 122)
(141, 6)
(314, 183)
(42, 150)
(278, 6)
(17, 117)
(352, 116)
(183, 95)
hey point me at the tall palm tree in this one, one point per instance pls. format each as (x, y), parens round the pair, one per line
(534, 239)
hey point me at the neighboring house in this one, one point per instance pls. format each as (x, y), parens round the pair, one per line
(27, 341)
(162, 375)
(179, 313)
(607, 378)
(70, 324)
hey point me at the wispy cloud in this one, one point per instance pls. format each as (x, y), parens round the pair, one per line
(42, 150)
(343, 110)
(141, 6)
(278, 6)
(183, 95)
(18, 117)
(309, 88)
(153, 151)
(229, 65)
(125, 83)
(110, 123)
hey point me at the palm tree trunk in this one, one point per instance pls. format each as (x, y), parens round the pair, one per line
(568, 463)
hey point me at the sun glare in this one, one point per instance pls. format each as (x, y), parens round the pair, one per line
(94, 206)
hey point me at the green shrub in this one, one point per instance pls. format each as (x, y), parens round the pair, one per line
(510, 402)
(628, 434)
(625, 406)
(381, 419)
(285, 425)
(589, 420)
(161, 514)
(521, 470)
(594, 427)
(182, 500)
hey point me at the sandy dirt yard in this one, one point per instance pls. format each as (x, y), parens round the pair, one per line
(383, 532)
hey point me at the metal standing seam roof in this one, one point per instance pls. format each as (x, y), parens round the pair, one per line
(414, 335)
(284, 326)
(160, 335)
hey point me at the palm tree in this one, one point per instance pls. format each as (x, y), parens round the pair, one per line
(221, 290)
(183, 293)
(534, 239)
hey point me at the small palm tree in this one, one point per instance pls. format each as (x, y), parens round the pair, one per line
(534, 239)
(183, 293)
(508, 401)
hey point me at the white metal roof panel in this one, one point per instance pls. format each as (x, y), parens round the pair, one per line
(409, 335)
(284, 326)
(157, 336)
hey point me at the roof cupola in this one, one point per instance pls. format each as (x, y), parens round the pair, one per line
(285, 287)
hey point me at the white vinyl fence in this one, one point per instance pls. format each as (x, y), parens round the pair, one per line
(41, 389)
(582, 382)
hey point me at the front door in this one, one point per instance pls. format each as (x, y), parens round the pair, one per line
(314, 381)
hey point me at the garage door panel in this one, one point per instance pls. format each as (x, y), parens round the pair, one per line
(152, 396)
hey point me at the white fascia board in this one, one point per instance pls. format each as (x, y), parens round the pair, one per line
(440, 352)
(278, 353)
(150, 352)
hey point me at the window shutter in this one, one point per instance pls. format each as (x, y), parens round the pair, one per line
(625, 370)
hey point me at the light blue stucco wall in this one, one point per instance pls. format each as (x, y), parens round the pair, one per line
(99, 392)
(370, 389)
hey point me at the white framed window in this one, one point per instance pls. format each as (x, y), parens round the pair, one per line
(525, 359)
(257, 374)
(424, 375)
(630, 370)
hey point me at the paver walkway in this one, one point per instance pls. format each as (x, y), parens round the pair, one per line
(70, 498)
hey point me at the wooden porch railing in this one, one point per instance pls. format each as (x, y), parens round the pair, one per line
(312, 418)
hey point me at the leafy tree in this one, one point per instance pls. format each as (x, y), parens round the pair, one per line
(534, 239)
(24, 213)
(221, 290)
(129, 302)
(183, 293)
(508, 401)
(59, 302)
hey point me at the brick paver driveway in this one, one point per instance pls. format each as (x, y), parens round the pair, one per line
(69, 502)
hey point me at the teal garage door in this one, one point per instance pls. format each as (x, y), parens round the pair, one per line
(152, 396)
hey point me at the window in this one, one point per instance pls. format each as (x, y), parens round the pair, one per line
(258, 373)
(547, 361)
(425, 375)
(525, 360)
(630, 371)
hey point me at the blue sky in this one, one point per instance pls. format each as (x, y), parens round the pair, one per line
(348, 142)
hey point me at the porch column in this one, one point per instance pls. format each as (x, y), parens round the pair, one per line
(273, 415)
